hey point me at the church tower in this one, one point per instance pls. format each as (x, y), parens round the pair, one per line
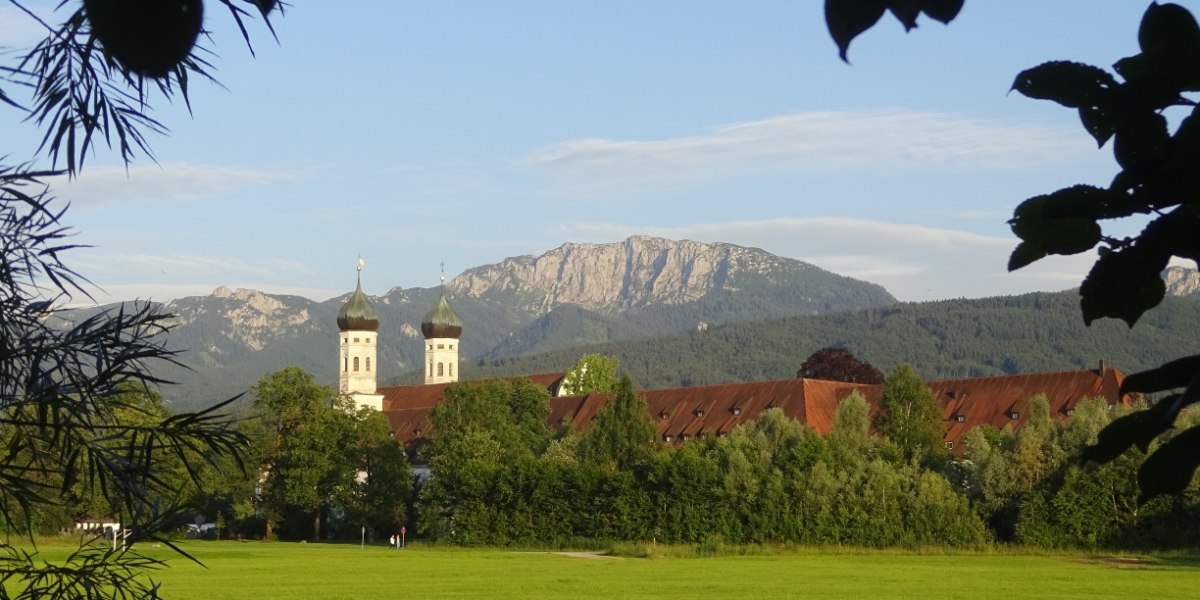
(442, 328)
(357, 325)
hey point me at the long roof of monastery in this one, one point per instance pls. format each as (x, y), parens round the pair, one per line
(696, 412)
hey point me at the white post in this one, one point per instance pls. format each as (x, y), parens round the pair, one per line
(363, 543)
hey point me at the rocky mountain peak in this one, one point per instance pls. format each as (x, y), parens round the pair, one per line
(639, 271)
(1182, 281)
(634, 272)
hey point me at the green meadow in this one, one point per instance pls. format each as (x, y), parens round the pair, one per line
(326, 571)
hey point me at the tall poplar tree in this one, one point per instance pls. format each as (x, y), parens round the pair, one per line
(911, 417)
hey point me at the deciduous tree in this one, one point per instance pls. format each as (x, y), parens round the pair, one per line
(910, 416)
(592, 373)
(838, 364)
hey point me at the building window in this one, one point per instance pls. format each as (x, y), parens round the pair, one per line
(664, 415)
(950, 445)
(700, 413)
(737, 410)
(431, 346)
(431, 368)
(960, 418)
(345, 363)
(367, 340)
(368, 364)
(1014, 415)
(345, 340)
(451, 346)
(666, 437)
(440, 370)
(355, 364)
(452, 369)
(355, 340)
(441, 346)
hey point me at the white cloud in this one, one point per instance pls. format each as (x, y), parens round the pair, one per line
(164, 277)
(166, 183)
(108, 294)
(913, 262)
(867, 141)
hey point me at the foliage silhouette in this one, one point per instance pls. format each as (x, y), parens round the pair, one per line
(1159, 178)
(68, 389)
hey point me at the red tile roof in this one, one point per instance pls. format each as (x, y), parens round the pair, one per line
(687, 413)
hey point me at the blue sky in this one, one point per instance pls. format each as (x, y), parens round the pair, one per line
(467, 132)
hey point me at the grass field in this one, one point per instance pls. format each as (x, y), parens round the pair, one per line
(236, 570)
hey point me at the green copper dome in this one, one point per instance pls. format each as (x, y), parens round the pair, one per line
(441, 322)
(357, 314)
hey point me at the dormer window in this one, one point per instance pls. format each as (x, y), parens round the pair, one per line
(1014, 415)
(737, 410)
(699, 413)
(960, 418)
(664, 415)
(950, 445)
(683, 437)
(1069, 411)
(667, 437)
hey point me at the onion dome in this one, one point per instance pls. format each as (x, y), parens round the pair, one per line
(357, 314)
(441, 322)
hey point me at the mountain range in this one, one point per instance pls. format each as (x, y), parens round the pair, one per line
(675, 312)
(571, 296)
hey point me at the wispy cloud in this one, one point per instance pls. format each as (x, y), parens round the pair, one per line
(179, 268)
(913, 262)
(820, 142)
(166, 183)
(169, 276)
(108, 294)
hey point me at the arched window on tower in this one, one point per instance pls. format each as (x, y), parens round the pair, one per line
(355, 364)
(345, 363)
(431, 368)
(440, 370)
(452, 369)
(368, 364)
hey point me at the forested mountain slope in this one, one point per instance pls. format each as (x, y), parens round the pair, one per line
(946, 339)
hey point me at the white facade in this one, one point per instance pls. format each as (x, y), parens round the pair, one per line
(357, 366)
(441, 360)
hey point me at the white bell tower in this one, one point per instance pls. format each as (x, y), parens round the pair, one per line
(442, 329)
(358, 324)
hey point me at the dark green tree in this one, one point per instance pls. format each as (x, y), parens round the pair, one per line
(485, 438)
(382, 488)
(305, 440)
(621, 437)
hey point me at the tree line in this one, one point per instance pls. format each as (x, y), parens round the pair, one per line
(498, 474)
